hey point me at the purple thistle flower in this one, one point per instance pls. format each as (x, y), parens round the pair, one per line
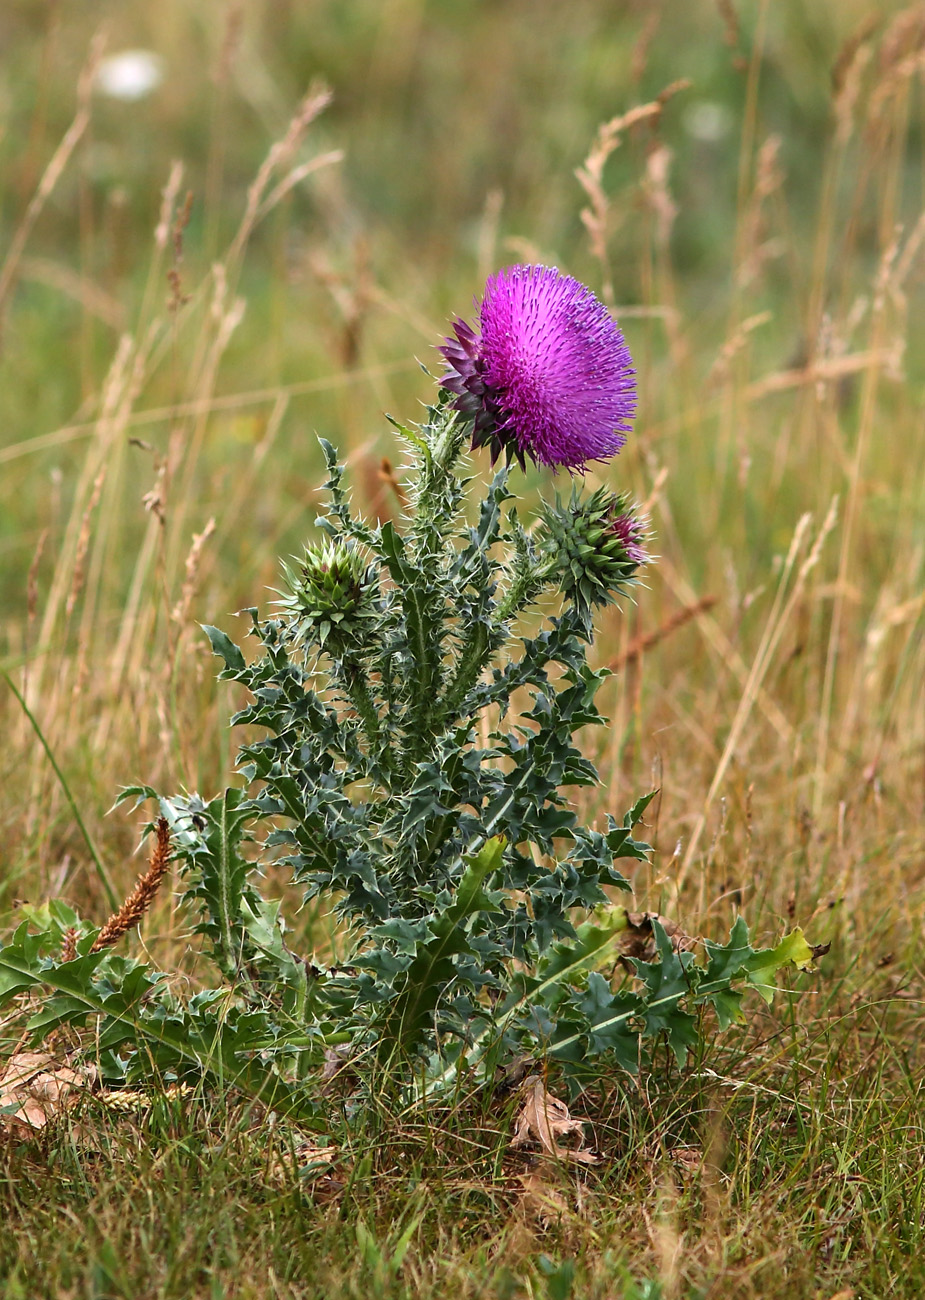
(549, 376)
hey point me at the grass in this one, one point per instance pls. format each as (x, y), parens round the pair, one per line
(770, 293)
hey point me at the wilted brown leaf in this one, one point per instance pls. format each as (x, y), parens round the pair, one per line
(337, 1070)
(305, 1160)
(687, 1160)
(34, 1088)
(541, 1204)
(545, 1119)
(638, 941)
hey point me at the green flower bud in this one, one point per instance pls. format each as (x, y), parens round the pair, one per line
(332, 597)
(595, 547)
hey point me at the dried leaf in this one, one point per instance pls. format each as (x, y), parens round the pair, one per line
(35, 1088)
(545, 1119)
(638, 941)
(687, 1160)
(306, 1161)
(541, 1204)
(336, 1062)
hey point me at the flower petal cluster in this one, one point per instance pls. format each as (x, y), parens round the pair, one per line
(548, 374)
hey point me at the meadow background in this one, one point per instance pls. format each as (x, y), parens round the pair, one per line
(196, 283)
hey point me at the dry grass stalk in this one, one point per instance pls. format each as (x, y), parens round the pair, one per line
(258, 396)
(904, 36)
(901, 271)
(66, 570)
(639, 60)
(778, 619)
(180, 611)
(83, 546)
(142, 896)
(658, 196)
(847, 79)
(730, 23)
(92, 297)
(280, 154)
(32, 582)
(168, 200)
(53, 171)
(641, 644)
(236, 503)
(756, 250)
(387, 474)
(590, 175)
(177, 297)
(721, 370)
(352, 296)
(295, 177)
(724, 650)
(833, 368)
(231, 40)
(893, 84)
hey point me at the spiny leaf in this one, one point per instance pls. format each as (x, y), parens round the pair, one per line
(225, 648)
(764, 964)
(432, 969)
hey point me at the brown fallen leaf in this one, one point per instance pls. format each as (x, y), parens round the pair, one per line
(687, 1160)
(337, 1071)
(35, 1088)
(545, 1119)
(638, 940)
(541, 1204)
(305, 1161)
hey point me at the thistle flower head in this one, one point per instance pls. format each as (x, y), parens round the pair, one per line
(331, 596)
(597, 547)
(547, 376)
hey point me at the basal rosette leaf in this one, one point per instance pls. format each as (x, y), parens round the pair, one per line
(138, 1021)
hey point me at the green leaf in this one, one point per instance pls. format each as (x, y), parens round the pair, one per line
(667, 981)
(619, 836)
(608, 1017)
(762, 966)
(433, 969)
(213, 1046)
(225, 648)
(737, 960)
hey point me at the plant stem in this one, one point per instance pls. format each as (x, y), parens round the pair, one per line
(112, 898)
(473, 657)
(360, 697)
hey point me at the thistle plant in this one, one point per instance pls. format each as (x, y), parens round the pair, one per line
(414, 701)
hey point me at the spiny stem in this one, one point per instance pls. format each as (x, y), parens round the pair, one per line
(361, 698)
(473, 657)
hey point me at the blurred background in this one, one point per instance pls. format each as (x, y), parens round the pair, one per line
(228, 227)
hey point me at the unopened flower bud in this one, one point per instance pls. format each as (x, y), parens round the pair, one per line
(596, 546)
(332, 597)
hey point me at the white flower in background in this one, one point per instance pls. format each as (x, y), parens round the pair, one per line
(131, 75)
(707, 121)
